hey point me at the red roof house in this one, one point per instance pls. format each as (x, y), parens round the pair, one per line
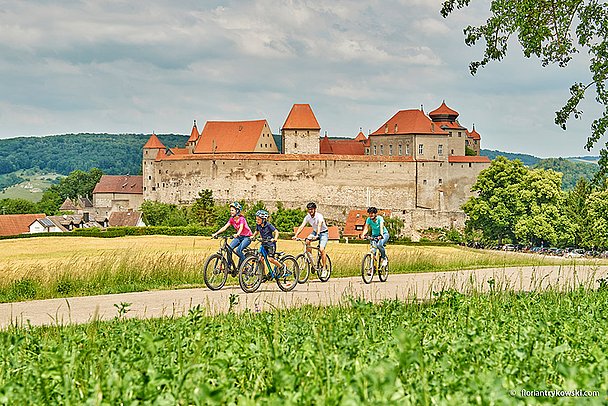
(236, 137)
(15, 224)
(355, 221)
(301, 117)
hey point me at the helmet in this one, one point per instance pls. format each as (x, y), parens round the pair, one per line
(372, 210)
(311, 205)
(237, 206)
(263, 214)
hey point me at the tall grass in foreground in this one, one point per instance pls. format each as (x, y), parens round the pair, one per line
(129, 270)
(456, 349)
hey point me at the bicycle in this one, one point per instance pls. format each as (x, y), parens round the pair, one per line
(306, 264)
(217, 267)
(253, 270)
(372, 263)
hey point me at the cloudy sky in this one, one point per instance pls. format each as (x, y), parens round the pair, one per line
(131, 66)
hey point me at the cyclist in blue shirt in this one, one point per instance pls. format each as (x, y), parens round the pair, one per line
(379, 231)
(269, 235)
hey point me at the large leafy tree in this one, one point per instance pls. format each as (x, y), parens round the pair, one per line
(552, 31)
(518, 204)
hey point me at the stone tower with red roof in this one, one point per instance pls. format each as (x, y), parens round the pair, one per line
(301, 131)
(151, 150)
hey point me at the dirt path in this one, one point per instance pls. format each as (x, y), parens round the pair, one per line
(405, 286)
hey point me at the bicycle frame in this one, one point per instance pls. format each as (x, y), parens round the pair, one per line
(226, 251)
(264, 253)
(308, 254)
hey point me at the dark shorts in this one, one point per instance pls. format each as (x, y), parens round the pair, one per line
(271, 248)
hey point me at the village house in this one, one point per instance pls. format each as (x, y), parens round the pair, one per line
(355, 221)
(15, 224)
(118, 193)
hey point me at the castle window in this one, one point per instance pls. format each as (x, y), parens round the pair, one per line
(381, 149)
(296, 132)
(469, 164)
(295, 145)
(400, 149)
(459, 133)
(420, 149)
(149, 177)
(440, 181)
(467, 142)
(440, 149)
(307, 132)
(407, 149)
(452, 152)
(390, 149)
(424, 182)
(375, 149)
(366, 151)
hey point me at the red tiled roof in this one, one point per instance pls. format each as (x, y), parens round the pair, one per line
(68, 205)
(124, 218)
(443, 110)
(334, 232)
(360, 137)
(409, 122)
(15, 224)
(341, 147)
(467, 159)
(120, 184)
(301, 117)
(474, 134)
(357, 218)
(154, 143)
(193, 134)
(180, 151)
(231, 136)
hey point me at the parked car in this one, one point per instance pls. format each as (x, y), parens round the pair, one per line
(577, 253)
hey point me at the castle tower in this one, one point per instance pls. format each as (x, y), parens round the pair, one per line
(191, 143)
(300, 133)
(150, 151)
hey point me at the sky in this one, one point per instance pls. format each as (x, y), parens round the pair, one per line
(132, 66)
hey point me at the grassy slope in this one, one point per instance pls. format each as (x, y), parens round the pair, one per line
(32, 188)
(478, 349)
(38, 268)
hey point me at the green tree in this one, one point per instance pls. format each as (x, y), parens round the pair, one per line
(494, 211)
(553, 31)
(17, 206)
(286, 219)
(468, 151)
(394, 227)
(78, 184)
(597, 206)
(50, 203)
(202, 209)
(163, 214)
(577, 213)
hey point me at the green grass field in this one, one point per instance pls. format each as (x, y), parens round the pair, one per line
(456, 350)
(33, 187)
(47, 267)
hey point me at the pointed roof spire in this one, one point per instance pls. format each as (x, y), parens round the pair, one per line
(301, 117)
(474, 134)
(361, 137)
(193, 134)
(154, 143)
(443, 113)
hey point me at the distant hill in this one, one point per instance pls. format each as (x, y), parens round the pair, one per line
(526, 159)
(114, 154)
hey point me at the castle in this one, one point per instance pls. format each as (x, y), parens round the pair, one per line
(413, 165)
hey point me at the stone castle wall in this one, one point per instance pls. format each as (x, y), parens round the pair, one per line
(427, 194)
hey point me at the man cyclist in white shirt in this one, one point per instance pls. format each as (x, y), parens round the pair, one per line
(319, 231)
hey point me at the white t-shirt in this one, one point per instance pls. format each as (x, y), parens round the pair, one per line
(314, 221)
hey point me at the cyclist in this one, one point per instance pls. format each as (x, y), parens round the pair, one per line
(242, 237)
(269, 235)
(379, 231)
(319, 231)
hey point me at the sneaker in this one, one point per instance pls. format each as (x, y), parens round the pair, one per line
(323, 273)
(385, 262)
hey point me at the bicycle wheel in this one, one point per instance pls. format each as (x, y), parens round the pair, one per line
(250, 274)
(367, 268)
(215, 272)
(383, 272)
(324, 276)
(288, 278)
(303, 268)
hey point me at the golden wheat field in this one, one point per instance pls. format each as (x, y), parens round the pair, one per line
(46, 259)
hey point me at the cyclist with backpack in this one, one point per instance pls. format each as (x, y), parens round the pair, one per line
(242, 237)
(375, 222)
